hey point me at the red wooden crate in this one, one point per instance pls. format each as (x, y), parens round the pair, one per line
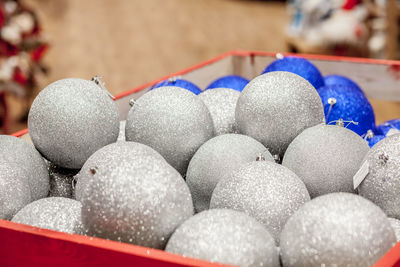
(27, 245)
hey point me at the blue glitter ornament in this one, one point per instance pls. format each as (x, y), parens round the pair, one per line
(344, 102)
(384, 128)
(179, 83)
(230, 81)
(339, 80)
(299, 66)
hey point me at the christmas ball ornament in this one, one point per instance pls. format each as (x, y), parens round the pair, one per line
(338, 229)
(54, 213)
(299, 66)
(344, 102)
(171, 120)
(27, 158)
(70, 119)
(326, 157)
(275, 107)
(224, 236)
(121, 135)
(396, 227)
(339, 80)
(216, 159)
(267, 191)
(112, 154)
(221, 102)
(384, 128)
(61, 181)
(15, 192)
(139, 200)
(179, 83)
(230, 81)
(382, 183)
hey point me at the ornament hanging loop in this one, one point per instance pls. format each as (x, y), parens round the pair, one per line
(341, 122)
(98, 80)
(331, 101)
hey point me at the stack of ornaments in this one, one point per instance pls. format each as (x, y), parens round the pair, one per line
(248, 173)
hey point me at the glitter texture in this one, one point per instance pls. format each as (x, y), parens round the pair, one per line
(275, 107)
(121, 136)
(339, 229)
(339, 80)
(234, 82)
(61, 181)
(54, 213)
(396, 227)
(326, 157)
(70, 119)
(111, 154)
(27, 158)
(15, 192)
(384, 128)
(139, 199)
(179, 83)
(221, 102)
(225, 236)
(299, 66)
(351, 105)
(265, 190)
(382, 184)
(217, 158)
(173, 121)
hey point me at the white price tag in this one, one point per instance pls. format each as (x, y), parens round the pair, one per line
(361, 174)
(392, 132)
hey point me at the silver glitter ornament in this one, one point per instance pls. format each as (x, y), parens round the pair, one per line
(140, 200)
(15, 192)
(265, 190)
(27, 158)
(382, 184)
(326, 157)
(221, 102)
(173, 121)
(338, 229)
(61, 181)
(275, 107)
(396, 227)
(54, 213)
(70, 119)
(225, 236)
(217, 158)
(121, 136)
(111, 155)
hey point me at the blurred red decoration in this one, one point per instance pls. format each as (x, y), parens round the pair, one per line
(21, 50)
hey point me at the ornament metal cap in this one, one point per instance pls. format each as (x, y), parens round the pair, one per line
(132, 102)
(260, 157)
(93, 170)
(369, 135)
(340, 123)
(98, 80)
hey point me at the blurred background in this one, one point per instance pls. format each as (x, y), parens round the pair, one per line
(130, 42)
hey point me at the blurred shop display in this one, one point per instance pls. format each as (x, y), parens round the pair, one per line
(365, 28)
(21, 50)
